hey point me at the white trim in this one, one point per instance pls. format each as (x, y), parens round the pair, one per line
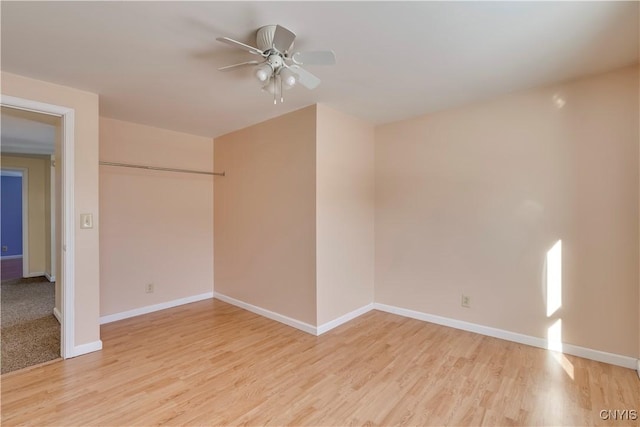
(10, 257)
(638, 368)
(25, 223)
(599, 356)
(67, 233)
(49, 277)
(67, 273)
(344, 319)
(587, 353)
(33, 274)
(305, 327)
(52, 218)
(57, 314)
(156, 307)
(90, 347)
(34, 106)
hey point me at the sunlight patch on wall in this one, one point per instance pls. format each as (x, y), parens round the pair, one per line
(554, 336)
(554, 278)
(554, 302)
(554, 343)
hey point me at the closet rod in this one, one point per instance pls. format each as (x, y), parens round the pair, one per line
(155, 168)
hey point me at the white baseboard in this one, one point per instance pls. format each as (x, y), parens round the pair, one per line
(638, 368)
(587, 353)
(598, 356)
(156, 307)
(49, 277)
(81, 349)
(305, 327)
(2, 258)
(343, 319)
(34, 274)
(57, 314)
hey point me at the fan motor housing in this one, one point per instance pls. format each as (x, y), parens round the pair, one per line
(264, 37)
(276, 61)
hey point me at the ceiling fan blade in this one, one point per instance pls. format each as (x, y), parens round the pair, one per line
(243, 46)
(320, 57)
(305, 78)
(283, 38)
(229, 67)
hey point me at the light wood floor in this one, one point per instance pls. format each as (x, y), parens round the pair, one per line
(210, 363)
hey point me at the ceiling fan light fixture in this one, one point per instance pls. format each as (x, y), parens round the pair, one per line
(264, 73)
(288, 78)
(270, 87)
(281, 67)
(274, 87)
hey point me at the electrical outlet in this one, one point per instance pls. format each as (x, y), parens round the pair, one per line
(466, 301)
(149, 288)
(5, 248)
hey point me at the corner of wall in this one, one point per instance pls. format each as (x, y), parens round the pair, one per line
(344, 214)
(272, 192)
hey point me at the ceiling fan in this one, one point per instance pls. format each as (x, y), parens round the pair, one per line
(279, 67)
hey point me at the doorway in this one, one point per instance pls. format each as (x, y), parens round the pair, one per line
(61, 259)
(30, 328)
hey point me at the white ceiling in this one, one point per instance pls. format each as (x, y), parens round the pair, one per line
(155, 62)
(26, 132)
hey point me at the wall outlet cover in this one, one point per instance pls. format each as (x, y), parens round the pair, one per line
(466, 301)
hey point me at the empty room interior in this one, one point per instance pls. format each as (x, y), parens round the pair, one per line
(323, 213)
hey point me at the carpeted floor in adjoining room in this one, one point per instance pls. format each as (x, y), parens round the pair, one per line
(30, 332)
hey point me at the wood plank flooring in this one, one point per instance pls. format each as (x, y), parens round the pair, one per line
(210, 363)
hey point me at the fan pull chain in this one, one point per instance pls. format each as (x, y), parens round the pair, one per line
(281, 93)
(274, 91)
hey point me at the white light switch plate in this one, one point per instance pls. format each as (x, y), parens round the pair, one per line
(86, 220)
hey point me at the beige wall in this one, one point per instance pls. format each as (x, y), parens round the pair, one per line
(39, 207)
(264, 215)
(470, 200)
(344, 213)
(86, 261)
(157, 227)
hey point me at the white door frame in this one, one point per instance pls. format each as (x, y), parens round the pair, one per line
(67, 252)
(25, 215)
(52, 219)
(25, 222)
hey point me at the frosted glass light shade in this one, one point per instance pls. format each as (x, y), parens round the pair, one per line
(264, 72)
(288, 78)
